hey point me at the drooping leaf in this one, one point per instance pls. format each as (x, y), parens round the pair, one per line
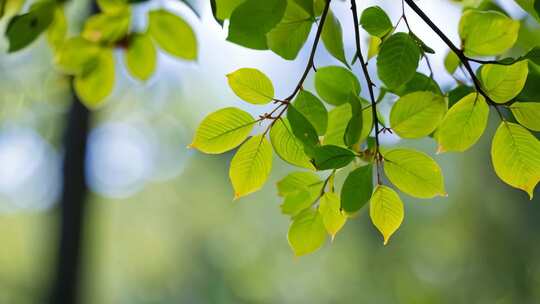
(307, 232)
(451, 62)
(417, 114)
(398, 60)
(77, 56)
(502, 82)
(291, 33)
(296, 202)
(386, 211)
(464, 124)
(92, 87)
(251, 85)
(141, 56)
(332, 37)
(414, 173)
(224, 8)
(376, 22)
(357, 189)
(57, 31)
(333, 218)
(531, 90)
(313, 110)
(223, 130)
(174, 35)
(527, 114)
(419, 82)
(338, 120)
(331, 157)
(251, 166)
(335, 84)
(287, 146)
(487, 33)
(24, 29)
(515, 154)
(251, 21)
(353, 132)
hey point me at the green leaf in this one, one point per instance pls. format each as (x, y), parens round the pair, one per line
(302, 128)
(251, 85)
(374, 47)
(77, 56)
(92, 87)
(527, 114)
(419, 82)
(223, 130)
(307, 233)
(333, 218)
(331, 157)
(417, 114)
(353, 132)
(451, 62)
(357, 189)
(414, 173)
(57, 31)
(398, 60)
(24, 29)
(386, 211)
(533, 55)
(463, 125)
(298, 181)
(332, 37)
(504, 82)
(287, 146)
(376, 22)
(224, 8)
(290, 35)
(531, 6)
(113, 6)
(141, 56)
(515, 153)
(251, 166)
(174, 35)
(296, 202)
(334, 84)
(106, 28)
(338, 120)
(531, 90)
(313, 110)
(487, 33)
(307, 5)
(251, 21)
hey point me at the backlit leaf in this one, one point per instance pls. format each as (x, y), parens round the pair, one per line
(331, 157)
(307, 232)
(313, 110)
(398, 60)
(141, 56)
(287, 146)
(515, 154)
(92, 87)
(527, 114)
(376, 22)
(332, 37)
(24, 29)
(504, 82)
(464, 124)
(335, 84)
(251, 85)
(223, 130)
(251, 166)
(417, 114)
(174, 35)
(357, 189)
(386, 211)
(414, 173)
(333, 218)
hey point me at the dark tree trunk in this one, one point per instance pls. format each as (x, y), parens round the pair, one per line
(72, 207)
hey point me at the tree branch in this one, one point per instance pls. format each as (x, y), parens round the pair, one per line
(370, 85)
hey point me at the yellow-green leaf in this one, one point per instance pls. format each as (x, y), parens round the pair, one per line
(251, 166)
(174, 35)
(487, 33)
(504, 82)
(141, 56)
(386, 211)
(333, 218)
(417, 114)
(464, 124)
(57, 31)
(92, 87)
(339, 117)
(223, 130)
(307, 232)
(414, 173)
(515, 153)
(299, 180)
(527, 114)
(77, 56)
(332, 37)
(287, 146)
(251, 85)
(107, 28)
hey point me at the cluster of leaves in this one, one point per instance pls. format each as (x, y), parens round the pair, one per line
(336, 131)
(89, 56)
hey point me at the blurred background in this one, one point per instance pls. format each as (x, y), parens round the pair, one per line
(161, 226)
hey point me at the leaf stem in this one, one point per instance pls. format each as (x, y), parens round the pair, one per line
(370, 84)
